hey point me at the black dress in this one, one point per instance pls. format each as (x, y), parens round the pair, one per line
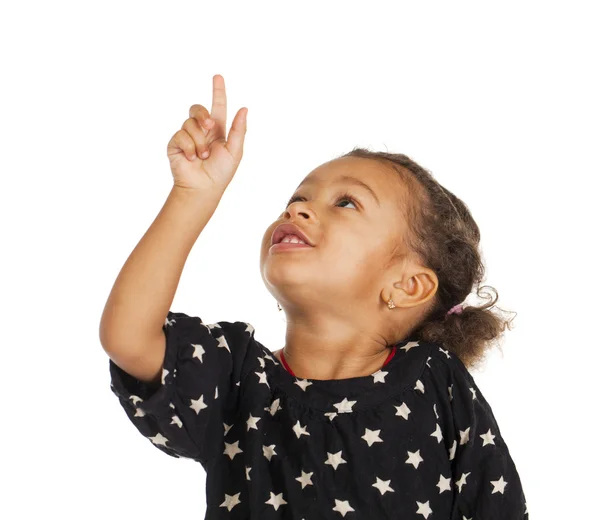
(414, 440)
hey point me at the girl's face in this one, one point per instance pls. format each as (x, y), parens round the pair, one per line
(354, 230)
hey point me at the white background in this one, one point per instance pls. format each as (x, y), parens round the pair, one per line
(499, 101)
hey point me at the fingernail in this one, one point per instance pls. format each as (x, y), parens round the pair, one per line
(192, 157)
(204, 155)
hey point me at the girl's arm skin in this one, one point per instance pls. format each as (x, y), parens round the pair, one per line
(136, 309)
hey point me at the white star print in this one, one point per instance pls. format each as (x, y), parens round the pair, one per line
(344, 406)
(249, 328)
(331, 415)
(251, 422)
(176, 421)
(159, 439)
(262, 378)
(409, 345)
(198, 352)
(198, 404)
(464, 436)
(342, 506)
(335, 459)
(276, 500)
(303, 383)
(450, 392)
(444, 484)
(383, 485)
(269, 451)
(488, 438)
(435, 411)
(424, 509)
(231, 501)
(139, 412)
(248, 473)
(164, 375)
(300, 430)
(419, 386)
(379, 376)
(227, 428)
(414, 458)
(223, 343)
(232, 449)
(437, 433)
(499, 485)
(216, 392)
(135, 399)
(304, 479)
(274, 407)
(371, 436)
(462, 481)
(452, 451)
(261, 361)
(445, 352)
(474, 392)
(402, 410)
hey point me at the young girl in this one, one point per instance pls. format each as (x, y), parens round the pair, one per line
(369, 410)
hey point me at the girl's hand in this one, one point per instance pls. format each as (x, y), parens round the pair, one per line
(204, 133)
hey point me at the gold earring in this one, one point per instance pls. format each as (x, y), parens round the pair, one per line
(391, 303)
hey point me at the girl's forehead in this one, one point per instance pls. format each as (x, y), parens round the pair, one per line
(381, 180)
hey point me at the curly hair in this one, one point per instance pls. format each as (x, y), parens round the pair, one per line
(444, 236)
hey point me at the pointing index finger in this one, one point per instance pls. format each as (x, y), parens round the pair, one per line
(219, 104)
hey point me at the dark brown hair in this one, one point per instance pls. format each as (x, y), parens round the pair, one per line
(444, 236)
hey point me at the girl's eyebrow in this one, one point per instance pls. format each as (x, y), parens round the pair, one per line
(351, 180)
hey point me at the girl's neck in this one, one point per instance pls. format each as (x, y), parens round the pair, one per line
(281, 358)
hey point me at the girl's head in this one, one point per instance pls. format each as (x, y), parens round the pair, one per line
(382, 227)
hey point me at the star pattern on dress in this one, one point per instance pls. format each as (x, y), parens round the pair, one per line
(444, 484)
(379, 376)
(462, 481)
(499, 485)
(222, 343)
(269, 451)
(342, 507)
(262, 378)
(382, 485)
(300, 430)
(402, 410)
(198, 351)
(409, 345)
(344, 406)
(198, 404)
(276, 500)
(305, 479)
(251, 422)
(274, 408)
(371, 436)
(232, 449)
(437, 433)
(231, 501)
(303, 383)
(414, 458)
(424, 509)
(335, 459)
(427, 399)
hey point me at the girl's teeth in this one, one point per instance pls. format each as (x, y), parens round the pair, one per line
(293, 239)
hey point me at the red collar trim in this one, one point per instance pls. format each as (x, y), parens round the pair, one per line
(287, 367)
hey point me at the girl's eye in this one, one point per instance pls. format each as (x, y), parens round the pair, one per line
(345, 196)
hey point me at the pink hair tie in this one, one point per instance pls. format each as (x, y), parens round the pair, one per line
(457, 309)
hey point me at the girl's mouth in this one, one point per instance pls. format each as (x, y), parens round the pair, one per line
(285, 246)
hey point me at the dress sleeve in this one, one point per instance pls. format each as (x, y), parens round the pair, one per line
(201, 379)
(485, 481)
